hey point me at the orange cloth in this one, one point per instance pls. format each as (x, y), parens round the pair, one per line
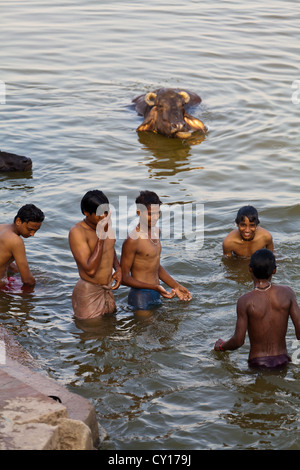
(92, 300)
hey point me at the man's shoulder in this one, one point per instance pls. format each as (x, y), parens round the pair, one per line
(7, 235)
(231, 239)
(77, 233)
(77, 228)
(264, 233)
(232, 235)
(132, 238)
(282, 288)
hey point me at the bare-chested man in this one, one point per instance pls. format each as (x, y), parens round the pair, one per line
(140, 261)
(12, 249)
(264, 312)
(248, 237)
(92, 242)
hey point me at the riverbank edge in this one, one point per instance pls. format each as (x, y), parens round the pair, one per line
(36, 413)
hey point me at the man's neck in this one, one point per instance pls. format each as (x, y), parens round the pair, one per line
(89, 224)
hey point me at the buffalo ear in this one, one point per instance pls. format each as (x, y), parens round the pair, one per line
(149, 122)
(150, 98)
(185, 96)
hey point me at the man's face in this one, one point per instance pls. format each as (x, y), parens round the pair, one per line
(27, 229)
(150, 217)
(101, 212)
(247, 229)
(93, 218)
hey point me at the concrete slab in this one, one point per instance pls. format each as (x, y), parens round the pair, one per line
(29, 418)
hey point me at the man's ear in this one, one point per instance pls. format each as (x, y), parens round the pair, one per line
(18, 221)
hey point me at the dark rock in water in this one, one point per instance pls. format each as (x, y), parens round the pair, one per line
(12, 162)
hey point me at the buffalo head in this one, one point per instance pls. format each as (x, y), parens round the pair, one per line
(12, 162)
(164, 112)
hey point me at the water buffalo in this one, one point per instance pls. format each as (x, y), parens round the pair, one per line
(12, 162)
(164, 112)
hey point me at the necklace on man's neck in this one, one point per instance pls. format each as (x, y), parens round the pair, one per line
(91, 226)
(149, 237)
(264, 288)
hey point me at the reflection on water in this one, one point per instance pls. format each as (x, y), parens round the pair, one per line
(263, 408)
(237, 269)
(168, 156)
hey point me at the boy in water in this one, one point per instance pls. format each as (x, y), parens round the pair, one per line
(264, 312)
(248, 237)
(140, 261)
(12, 249)
(92, 242)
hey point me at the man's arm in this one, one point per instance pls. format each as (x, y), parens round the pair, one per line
(88, 261)
(180, 291)
(227, 245)
(295, 313)
(117, 276)
(238, 338)
(269, 242)
(19, 254)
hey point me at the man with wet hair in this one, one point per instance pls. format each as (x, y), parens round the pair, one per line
(92, 242)
(264, 312)
(248, 237)
(12, 249)
(140, 260)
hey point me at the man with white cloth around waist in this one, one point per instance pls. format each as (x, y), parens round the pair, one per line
(92, 242)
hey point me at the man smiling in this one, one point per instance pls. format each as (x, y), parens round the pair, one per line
(248, 237)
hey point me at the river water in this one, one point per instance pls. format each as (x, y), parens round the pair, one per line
(69, 71)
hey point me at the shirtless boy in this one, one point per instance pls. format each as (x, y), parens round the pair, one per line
(12, 249)
(264, 312)
(248, 237)
(92, 242)
(140, 261)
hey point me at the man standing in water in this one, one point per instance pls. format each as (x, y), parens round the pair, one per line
(140, 261)
(92, 242)
(264, 312)
(12, 249)
(248, 237)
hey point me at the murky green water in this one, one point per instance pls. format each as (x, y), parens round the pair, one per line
(71, 70)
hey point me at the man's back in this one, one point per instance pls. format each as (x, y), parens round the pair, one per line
(267, 312)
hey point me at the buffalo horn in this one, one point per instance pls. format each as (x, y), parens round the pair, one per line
(150, 98)
(185, 96)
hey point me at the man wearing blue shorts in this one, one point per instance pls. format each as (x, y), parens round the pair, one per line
(140, 260)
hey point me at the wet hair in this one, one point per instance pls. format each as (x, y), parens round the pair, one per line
(247, 211)
(30, 213)
(92, 200)
(263, 263)
(147, 198)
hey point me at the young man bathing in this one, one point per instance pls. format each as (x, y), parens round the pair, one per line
(12, 249)
(248, 237)
(140, 260)
(92, 242)
(264, 312)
